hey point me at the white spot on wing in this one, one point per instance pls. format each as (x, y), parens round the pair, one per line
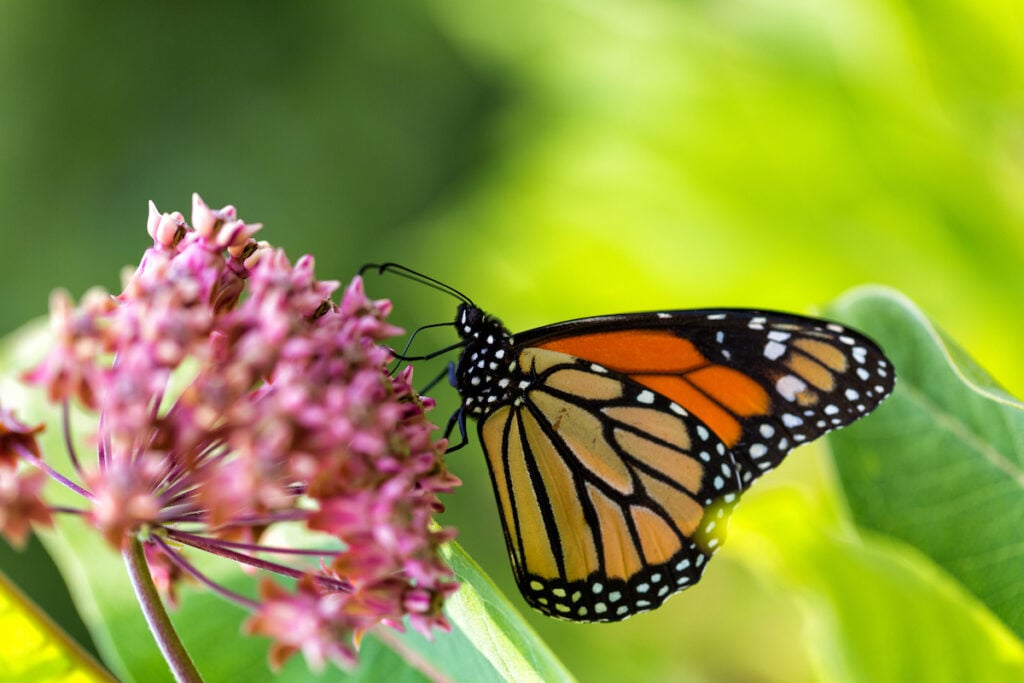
(789, 386)
(773, 350)
(791, 420)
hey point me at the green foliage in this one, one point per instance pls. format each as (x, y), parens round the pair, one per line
(489, 640)
(873, 609)
(941, 466)
(35, 650)
(557, 158)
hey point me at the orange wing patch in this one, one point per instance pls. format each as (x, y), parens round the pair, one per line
(673, 367)
(680, 468)
(732, 389)
(620, 556)
(664, 426)
(579, 555)
(632, 351)
(686, 513)
(519, 505)
(658, 541)
(815, 373)
(582, 434)
(824, 353)
(579, 383)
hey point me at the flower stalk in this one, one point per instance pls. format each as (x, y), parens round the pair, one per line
(173, 650)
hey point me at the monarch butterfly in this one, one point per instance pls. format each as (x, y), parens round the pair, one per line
(617, 445)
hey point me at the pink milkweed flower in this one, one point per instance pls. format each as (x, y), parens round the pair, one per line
(21, 504)
(235, 397)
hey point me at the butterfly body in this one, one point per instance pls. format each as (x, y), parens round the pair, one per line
(484, 372)
(617, 445)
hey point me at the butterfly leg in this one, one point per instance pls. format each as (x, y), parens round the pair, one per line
(459, 418)
(449, 371)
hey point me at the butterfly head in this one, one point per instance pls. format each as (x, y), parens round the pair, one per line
(483, 374)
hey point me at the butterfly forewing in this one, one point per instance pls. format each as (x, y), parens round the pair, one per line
(763, 382)
(617, 445)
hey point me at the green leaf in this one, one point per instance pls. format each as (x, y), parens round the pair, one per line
(34, 650)
(940, 466)
(489, 641)
(874, 610)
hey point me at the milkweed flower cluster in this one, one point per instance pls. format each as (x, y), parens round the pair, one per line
(240, 410)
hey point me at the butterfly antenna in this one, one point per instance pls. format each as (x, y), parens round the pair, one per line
(402, 357)
(434, 354)
(410, 274)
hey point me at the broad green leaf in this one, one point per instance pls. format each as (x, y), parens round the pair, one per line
(489, 642)
(490, 639)
(874, 610)
(34, 650)
(940, 466)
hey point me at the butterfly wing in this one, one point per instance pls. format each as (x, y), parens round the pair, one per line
(764, 382)
(608, 502)
(624, 440)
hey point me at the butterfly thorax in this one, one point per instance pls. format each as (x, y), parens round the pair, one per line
(483, 375)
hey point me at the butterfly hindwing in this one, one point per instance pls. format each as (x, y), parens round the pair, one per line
(611, 498)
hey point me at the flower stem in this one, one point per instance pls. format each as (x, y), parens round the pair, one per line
(156, 616)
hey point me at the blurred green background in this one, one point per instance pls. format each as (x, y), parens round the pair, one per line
(551, 159)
